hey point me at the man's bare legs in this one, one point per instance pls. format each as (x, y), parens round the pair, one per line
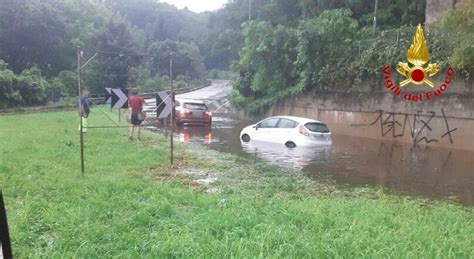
(130, 131)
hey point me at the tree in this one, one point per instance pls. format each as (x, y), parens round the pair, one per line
(187, 59)
(118, 53)
(31, 34)
(222, 49)
(32, 87)
(325, 48)
(460, 25)
(27, 88)
(9, 95)
(266, 65)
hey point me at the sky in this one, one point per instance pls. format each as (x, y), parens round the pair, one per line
(197, 5)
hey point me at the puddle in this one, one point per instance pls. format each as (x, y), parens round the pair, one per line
(206, 181)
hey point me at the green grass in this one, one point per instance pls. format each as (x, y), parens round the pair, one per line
(129, 203)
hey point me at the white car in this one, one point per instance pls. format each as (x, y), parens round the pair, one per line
(289, 131)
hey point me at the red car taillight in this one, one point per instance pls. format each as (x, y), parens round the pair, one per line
(185, 112)
(303, 131)
(208, 113)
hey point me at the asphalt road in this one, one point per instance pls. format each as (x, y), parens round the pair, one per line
(215, 96)
(217, 91)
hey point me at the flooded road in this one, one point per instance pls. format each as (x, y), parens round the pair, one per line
(402, 168)
(415, 170)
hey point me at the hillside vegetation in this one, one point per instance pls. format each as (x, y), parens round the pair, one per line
(280, 47)
(334, 46)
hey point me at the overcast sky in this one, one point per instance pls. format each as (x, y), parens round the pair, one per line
(197, 5)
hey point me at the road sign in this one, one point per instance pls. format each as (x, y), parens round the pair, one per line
(119, 98)
(163, 105)
(108, 95)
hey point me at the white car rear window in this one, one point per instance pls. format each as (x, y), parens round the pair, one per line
(317, 127)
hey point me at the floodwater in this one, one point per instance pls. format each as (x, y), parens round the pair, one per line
(414, 170)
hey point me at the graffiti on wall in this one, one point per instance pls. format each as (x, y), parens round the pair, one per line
(418, 126)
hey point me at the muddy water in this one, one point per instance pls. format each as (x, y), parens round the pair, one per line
(414, 170)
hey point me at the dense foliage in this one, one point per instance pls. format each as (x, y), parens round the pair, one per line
(135, 40)
(275, 48)
(460, 24)
(332, 45)
(26, 88)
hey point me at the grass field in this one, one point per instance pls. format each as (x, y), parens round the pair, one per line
(129, 203)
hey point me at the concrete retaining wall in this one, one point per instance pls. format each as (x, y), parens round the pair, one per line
(447, 120)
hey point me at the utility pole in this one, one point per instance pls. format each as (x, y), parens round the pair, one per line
(250, 10)
(172, 107)
(81, 134)
(375, 14)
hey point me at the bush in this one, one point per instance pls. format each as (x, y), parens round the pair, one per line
(25, 89)
(9, 95)
(67, 82)
(32, 87)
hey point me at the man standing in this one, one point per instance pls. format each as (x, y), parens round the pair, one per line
(85, 110)
(135, 104)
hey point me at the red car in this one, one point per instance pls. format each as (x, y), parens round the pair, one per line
(192, 112)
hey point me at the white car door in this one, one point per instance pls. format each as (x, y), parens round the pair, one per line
(286, 131)
(266, 129)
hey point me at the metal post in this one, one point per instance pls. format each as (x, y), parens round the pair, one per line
(250, 10)
(398, 38)
(172, 107)
(5, 246)
(119, 115)
(81, 134)
(375, 14)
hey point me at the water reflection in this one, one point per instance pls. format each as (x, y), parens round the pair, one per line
(194, 134)
(278, 154)
(417, 170)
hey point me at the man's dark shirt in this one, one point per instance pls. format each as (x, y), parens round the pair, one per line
(85, 104)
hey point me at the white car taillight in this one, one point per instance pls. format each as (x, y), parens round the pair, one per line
(303, 131)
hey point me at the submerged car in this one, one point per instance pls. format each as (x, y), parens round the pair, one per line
(289, 131)
(192, 112)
